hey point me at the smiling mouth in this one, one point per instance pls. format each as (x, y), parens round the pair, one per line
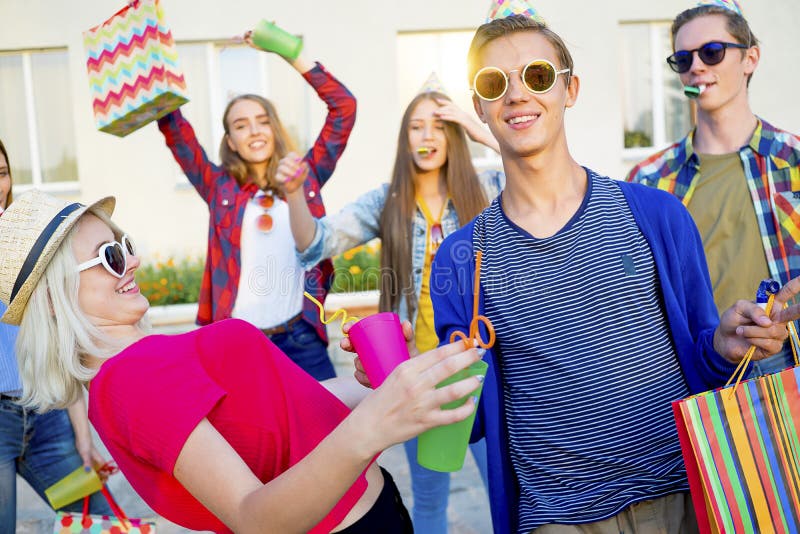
(522, 119)
(257, 145)
(426, 151)
(127, 287)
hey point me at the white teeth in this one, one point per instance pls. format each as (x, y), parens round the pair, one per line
(523, 118)
(257, 145)
(127, 287)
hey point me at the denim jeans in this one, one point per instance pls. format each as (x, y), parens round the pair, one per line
(773, 364)
(41, 448)
(431, 489)
(304, 347)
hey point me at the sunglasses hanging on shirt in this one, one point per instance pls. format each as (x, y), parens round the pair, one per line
(266, 202)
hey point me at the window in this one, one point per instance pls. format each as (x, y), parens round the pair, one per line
(445, 53)
(656, 112)
(36, 123)
(215, 72)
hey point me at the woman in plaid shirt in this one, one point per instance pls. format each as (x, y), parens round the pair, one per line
(251, 270)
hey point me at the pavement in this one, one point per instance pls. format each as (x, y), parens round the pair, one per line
(467, 513)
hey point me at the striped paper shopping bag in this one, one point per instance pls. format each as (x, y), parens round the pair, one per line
(742, 455)
(133, 71)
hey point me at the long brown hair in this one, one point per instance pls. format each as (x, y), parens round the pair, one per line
(234, 164)
(463, 188)
(9, 197)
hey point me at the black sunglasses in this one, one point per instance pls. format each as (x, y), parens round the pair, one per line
(710, 54)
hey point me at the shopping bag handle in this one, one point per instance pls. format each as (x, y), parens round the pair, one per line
(794, 342)
(125, 523)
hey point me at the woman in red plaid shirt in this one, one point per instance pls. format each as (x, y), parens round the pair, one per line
(251, 270)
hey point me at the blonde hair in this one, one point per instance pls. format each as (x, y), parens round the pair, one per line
(55, 334)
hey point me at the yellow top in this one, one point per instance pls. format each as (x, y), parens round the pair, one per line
(424, 330)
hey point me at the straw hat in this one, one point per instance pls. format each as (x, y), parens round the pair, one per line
(31, 230)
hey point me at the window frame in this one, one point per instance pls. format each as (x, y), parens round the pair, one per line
(658, 94)
(70, 187)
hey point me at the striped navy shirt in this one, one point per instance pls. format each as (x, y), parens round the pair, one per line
(588, 366)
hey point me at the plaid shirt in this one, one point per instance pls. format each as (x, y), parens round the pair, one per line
(227, 201)
(770, 161)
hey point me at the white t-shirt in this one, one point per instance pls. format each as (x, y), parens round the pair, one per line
(271, 281)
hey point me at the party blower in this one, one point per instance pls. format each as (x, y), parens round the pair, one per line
(694, 91)
(378, 340)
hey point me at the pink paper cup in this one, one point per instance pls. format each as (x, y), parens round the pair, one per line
(378, 339)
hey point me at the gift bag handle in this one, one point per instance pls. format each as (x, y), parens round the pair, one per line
(794, 343)
(125, 523)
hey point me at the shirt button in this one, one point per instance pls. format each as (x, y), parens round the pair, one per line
(225, 201)
(311, 194)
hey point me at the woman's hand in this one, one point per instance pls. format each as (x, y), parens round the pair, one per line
(359, 373)
(291, 173)
(408, 402)
(450, 112)
(300, 63)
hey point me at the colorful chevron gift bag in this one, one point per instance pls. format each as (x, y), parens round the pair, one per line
(133, 70)
(742, 455)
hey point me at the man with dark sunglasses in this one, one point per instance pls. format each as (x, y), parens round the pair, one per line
(602, 311)
(737, 174)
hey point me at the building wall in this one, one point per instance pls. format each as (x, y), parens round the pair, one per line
(356, 40)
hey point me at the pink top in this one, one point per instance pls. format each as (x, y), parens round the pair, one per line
(145, 402)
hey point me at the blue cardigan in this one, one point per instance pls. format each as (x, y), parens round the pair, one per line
(686, 296)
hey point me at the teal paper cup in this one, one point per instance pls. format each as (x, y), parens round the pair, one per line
(444, 448)
(271, 38)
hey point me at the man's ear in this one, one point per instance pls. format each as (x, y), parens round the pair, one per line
(573, 89)
(751, 58)
(476, 103)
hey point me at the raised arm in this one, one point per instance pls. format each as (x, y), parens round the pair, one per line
(332, 139)
(317, 239)
(182, 142)
(405, 405)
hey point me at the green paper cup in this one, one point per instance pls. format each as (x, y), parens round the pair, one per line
(444, 448)
(271, 38)
(73, 487)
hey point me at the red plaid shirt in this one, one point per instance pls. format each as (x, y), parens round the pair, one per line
(227, 201)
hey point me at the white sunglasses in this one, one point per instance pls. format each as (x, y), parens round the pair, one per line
(113, 256)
